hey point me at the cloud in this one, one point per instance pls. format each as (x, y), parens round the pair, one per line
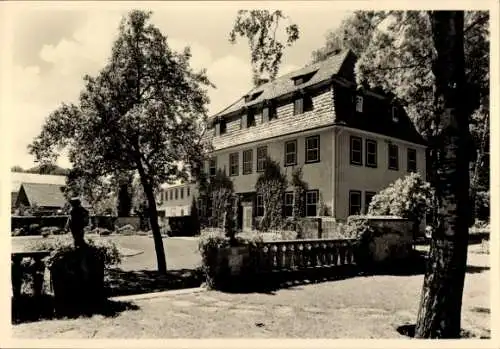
(36, 92)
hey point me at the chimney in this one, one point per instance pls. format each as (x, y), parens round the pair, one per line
(261, 81)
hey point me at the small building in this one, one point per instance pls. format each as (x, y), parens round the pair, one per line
(47, 198)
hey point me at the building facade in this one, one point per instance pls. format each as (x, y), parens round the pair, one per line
(349, 142)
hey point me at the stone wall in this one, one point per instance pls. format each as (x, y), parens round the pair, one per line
(392, 238)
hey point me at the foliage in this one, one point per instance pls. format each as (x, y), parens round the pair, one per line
(58, 247)
(271, 184)
(299, 192)
(195, 219)
(260, 27)
(409, 197)
(16, 168)
(395, 51)
(144, 112)
(220, 191)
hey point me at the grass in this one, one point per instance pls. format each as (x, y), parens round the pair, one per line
(373, 306)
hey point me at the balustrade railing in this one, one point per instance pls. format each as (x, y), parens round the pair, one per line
(36, 269)
(292, 255)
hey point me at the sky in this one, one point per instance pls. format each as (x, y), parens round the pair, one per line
(52, 47)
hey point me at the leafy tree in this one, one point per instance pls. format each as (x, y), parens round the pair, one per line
(395, 51)
(124, 200)
(271, 184)
(145, 111)
(16, 169)
(260, 28)
(48, 169)
(220, 192)
(439, 314)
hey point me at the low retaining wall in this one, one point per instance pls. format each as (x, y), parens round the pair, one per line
(392, 238)
(133, 221)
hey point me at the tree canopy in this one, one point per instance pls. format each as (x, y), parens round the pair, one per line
(144, 112)
(260, 28)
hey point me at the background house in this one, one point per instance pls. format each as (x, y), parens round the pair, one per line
(42, 197)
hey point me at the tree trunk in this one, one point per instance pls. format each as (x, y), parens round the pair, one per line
(153, 220)
(441, 299)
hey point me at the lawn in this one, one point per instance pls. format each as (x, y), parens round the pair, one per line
(356, 307)
(137, 272)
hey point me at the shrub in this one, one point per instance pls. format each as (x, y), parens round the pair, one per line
(410, 197)
(126, 229)
(19, 232)
(34, 229)
(60, 246)
(211, 240)
(271, 185)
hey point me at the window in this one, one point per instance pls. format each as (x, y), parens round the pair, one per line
(308, 103)
(359, 104)
(261, 158)
(234, 164)
(259, 207)
(213, 167)
(288, 205)
(354, 202)
(222, 127)
(356, 151)
(412, 160)
(171, 195)
(291, 153)
(371, 153)
(368, 198)
(247, 161)
(298, 106)
(250, 118)
(176, 194)
(393, 157)
(394, 114)
(312, 203)
(182, 212)
(182, 193)
(312, 149)
(188, 191)
(273, 114)
(165, 193)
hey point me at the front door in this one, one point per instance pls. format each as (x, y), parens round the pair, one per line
(247, 218)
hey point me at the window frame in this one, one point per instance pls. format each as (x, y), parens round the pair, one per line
(234, 157)
(307, 103)
(181, 193)
(261, 159)
(288, 206)
(298, 105)
(351, 150)
(318, 149)
(367, 153)
(251, 117)
(250, 170)
(222, 127)
(367, 202)
(359, 103)
(316, 193)
(394, 113)
(351, 193)
(259, 207)
(408, 161)
(389, 157)
(176, 195)
(212, 161)
(171, 194)
(288, 153)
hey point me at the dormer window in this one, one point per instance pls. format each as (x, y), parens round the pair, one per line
(252, 97)
(359, 104)
(302, 104)
(300, 79)
(394, 114)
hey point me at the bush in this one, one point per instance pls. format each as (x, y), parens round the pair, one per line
(19, 232)
(410, 197)
(34, 229)
(126, 229)
(60, 246)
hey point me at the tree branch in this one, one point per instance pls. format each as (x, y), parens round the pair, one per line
(480, 20)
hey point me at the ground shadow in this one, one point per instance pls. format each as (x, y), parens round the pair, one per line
(120, 282)
(269, 283)
(408, 330)
(474, 269)
(29, 309)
